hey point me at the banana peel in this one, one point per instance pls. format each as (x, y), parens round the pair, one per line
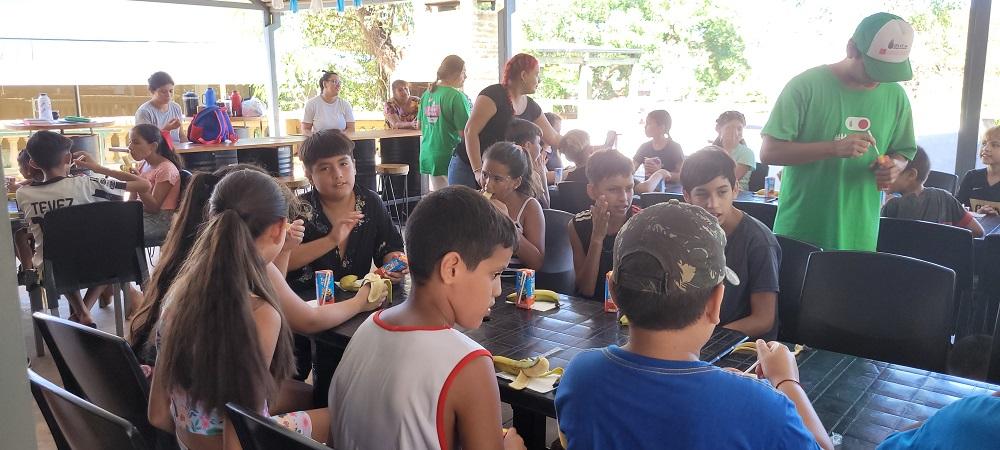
(541, 295)
(751, 347)
(525, 369)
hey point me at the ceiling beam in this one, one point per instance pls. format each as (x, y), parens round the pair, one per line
(212, 3)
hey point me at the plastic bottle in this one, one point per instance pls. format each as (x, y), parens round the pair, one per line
(237, 103)
(44, 106)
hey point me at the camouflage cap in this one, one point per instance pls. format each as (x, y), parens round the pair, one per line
(686, 240)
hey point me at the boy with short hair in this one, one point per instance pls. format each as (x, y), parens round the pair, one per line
(528, 136)
(50, 153)
(709, 181)
(927, 203)
(349, 231)
(408, 378)
(654, 392)
(592, 232)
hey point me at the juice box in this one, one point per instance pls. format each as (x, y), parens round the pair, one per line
(396, 264)
(770, 187)
(324, 287)
(524, 286)
(609, 302)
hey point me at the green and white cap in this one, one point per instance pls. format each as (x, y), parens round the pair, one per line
(884, 41)
(685, 240)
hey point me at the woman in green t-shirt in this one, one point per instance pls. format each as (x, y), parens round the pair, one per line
(444, 110)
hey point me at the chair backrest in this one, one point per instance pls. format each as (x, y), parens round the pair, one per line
(557, 271)
(81, 423)
(886, 307)
(791, 274)
(757, 177)
(93, 244)
(764, 212)
(572, 197)
(942, 180)
(185, 181)
(101, 368)
(257, 432)
(648, 199)
(945, 245)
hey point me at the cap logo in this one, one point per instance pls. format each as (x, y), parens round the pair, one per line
(892, 42)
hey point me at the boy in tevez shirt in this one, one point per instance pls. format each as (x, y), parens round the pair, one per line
(408, 379)
(50, 153)
(923, 203)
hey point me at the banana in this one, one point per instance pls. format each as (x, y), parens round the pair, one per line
(541, 295)
(525, 369)
(751, 347)
(623, 320)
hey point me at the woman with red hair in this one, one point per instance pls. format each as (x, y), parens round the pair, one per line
(492, 112)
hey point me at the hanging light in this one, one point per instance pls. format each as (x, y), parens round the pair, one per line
(277, 4)
(316, 5)
(293, 5)
(357, 3)
(340, 5)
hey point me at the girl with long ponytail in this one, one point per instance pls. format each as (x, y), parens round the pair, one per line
(222, 334)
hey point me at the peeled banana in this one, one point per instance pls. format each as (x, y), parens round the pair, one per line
(525, 369)
(541, 295)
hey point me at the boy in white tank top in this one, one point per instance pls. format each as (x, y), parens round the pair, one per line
(408, 380)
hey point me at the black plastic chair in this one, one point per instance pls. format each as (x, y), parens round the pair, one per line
(648, 199)
(81, 424)
(92, 245)
(791, 274)
(757, 177)
(986, 300)
(557, 271)
(257, 432)
(942, 180)
(572, 197)
(886, 307)
(764, 212)
(101, 368)
(945, 245)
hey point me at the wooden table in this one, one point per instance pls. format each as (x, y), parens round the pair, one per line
(272, 153)
(60, 125)
(860, 399)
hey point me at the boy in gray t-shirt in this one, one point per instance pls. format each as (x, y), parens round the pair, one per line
(929, 204)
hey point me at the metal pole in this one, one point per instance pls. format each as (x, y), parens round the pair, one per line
(505, 50)
(972, 86)
(274, 19)
(79, 104)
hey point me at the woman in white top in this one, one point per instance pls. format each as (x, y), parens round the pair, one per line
(509, 178)
(160, 110)
(327, 110)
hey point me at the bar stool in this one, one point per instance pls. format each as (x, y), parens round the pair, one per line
(296, 184)
(385, 172)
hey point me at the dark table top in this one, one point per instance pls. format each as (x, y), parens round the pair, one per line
(859, 399)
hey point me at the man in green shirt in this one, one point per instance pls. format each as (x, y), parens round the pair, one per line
(829, 126)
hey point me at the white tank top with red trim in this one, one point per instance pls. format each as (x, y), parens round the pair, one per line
(390, 388)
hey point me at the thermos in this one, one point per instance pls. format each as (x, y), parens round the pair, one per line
(210, 97)
(190, 103)
(237, 103)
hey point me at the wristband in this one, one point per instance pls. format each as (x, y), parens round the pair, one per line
(776, 386)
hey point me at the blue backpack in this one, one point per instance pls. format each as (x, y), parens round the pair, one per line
(211, 126)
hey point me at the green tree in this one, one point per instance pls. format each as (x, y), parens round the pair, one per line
(663, 29)
(361, 44)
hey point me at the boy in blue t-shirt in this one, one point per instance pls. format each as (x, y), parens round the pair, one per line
(971, 422)
(669, 266)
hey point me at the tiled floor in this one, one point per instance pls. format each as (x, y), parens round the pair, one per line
(44, 365)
